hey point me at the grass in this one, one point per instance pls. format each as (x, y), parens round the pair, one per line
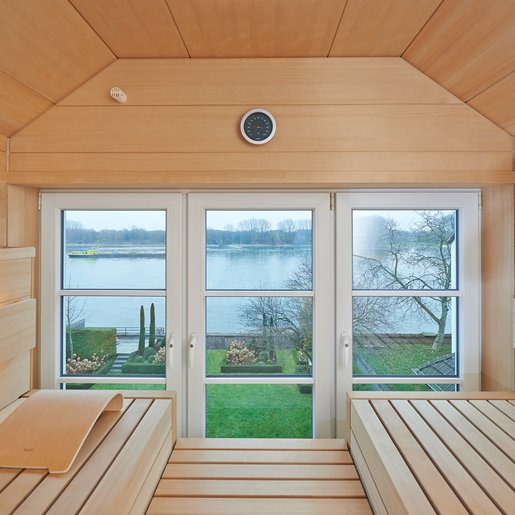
(258, 411)
(397, 360)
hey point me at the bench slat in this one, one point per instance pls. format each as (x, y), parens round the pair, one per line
(14, 493)
(506, 407)
(472, 496)
(258, 488)
(497, 436)
(189, 506)
(80, 488)
(270, 444)
(434, 485)
(257, 471)
(248, 457)
(400, 492)
(118, 489)
(486, 476)
(496, 416)
(485, 448)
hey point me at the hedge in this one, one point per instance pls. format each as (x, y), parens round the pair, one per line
(138, 367)
(251, 369)
(92, 340)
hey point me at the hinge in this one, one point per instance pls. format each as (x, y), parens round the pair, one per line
(39, 201)
(480, 199)
(332, 198)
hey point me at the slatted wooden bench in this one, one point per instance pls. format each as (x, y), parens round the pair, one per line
(447, 454)
(116, 471)
(256, 477)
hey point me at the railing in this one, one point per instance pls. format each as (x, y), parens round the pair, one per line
(134, 331)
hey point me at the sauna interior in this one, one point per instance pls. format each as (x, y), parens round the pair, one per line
(257, 256)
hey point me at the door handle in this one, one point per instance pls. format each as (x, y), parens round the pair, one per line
(191, 349)
(345, 348)
(169, 349)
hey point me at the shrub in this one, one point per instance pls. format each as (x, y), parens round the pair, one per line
(89, 341)
(148, 352)
(139, 359)
(239, 354)
(76, 365)
(159, 357)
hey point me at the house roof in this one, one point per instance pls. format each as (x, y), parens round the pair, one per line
(51, 47)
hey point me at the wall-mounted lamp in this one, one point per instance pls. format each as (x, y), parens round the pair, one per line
(118, 95)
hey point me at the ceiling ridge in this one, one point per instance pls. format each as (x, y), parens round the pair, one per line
(178, 28)
(454, 95)
(337, 28)
(91, 27)
(421, 29)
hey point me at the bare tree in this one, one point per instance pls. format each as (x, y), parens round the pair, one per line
(401, 264)
(73, 310)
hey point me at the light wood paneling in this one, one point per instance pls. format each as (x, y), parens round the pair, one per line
(497, 287)
(19, 105)
(132, 28)
(79, 167)
(3, 143)
(276, 28)
(14, 378)
(253, 81)
(299, 129)
(467, 46)
(47, 46)
(3, 213)
(497, 103)
(17, 329)
(380, 27)
(3, 165)
(317, 444)
(15, 277)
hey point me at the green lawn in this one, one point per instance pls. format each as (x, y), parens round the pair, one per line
(258, 411)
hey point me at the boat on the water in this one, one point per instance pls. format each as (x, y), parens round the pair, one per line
(93, 253)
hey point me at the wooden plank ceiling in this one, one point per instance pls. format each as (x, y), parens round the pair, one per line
(51, 47)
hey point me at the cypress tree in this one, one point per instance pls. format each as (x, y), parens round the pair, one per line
(141, 345)
(152, 333)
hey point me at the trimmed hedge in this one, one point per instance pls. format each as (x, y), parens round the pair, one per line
(251, 369)
(92, 340)
(133, 365)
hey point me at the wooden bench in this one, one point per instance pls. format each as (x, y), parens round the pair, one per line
(435, 453)
(116, 470)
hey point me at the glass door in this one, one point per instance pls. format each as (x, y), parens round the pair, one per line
(260, 337)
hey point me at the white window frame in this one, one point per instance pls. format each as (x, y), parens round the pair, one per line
(468, 292)
(323, 322)
(52, 206)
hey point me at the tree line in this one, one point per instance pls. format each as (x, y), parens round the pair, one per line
(251, 231)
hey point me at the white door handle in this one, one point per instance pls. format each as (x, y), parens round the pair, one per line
(169, 350)
(191, 349)
(345, 348)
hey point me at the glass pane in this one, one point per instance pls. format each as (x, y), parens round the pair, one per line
(259, 335)
(258, 250)
(404, 250)
(404, 336)
(110, 336)
(114, 249)
(259, 411)
(405, 387)
(112, 386)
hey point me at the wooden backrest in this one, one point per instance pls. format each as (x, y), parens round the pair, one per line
(17, 322)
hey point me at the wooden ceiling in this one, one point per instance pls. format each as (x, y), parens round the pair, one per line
(51, 47)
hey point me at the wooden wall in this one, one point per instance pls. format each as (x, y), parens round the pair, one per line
(373, 122)
(341, 122)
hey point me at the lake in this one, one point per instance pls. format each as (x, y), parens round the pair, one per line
(234, 267)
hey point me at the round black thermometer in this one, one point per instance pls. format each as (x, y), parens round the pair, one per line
(257, 126)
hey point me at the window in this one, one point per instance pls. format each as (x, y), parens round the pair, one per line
(409, 308)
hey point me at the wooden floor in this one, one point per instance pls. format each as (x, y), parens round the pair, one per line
(259, 477)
